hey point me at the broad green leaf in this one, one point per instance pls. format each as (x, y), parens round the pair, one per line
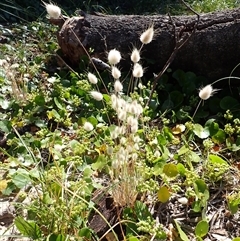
(181, 169)
(170, 170)
(21, 178)
(92, 120)
(141, 211)
(236, 239)
(28, 228)
(217, 159)
(201, 185)
(212, 126)
(5, 126)
(39, 100)
(163, 194)
(183, 236)
(233, 207)
(202, 228)
(56, 237)
(228, 103)
(219, 137)
(100, 163)
(85, 232)
(200, 131)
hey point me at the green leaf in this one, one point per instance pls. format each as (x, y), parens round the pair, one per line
(236, 239)
(21, 178)
(202, 228)
(85, 232)
(201, 185)
(5, 126)
(183, 236)
(39, 100)
(56, 237)
(163, 194)
(228, 103)
(200, 131)
(57, 103)
(132, 238)
(181, 169)
(217, 159)
(170, 170)
(141, 211)
(212, 126)
(28, 228)
(233, 206)
(219, 137)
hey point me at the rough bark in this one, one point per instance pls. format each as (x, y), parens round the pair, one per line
(213, 49)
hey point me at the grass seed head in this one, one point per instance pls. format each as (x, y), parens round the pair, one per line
(118, 87)
(135, 56)
(53, 10)
(137, 70)
(96, 95)
(116, 73)
(92, 78)
(114, 57)
(206, 92)
(147, 36)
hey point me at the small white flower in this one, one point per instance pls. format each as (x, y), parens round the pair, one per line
(88, 126)
(53, 10)
(118, 87)
(206, 92)
(92, 78)
(114, 57)
(116, 73)
(96, 95)
(147, 36)
(137, 70)
(135, 56)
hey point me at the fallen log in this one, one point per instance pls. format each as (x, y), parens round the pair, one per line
(212, 51)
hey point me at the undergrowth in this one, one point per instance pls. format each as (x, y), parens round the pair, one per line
(86, 160)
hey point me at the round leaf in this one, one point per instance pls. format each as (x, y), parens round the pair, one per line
(163, 194)
(202, 228)
(228, 103)
(200, 131)
(219, 137)
(170, 170)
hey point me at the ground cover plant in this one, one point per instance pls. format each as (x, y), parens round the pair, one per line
(83, 157)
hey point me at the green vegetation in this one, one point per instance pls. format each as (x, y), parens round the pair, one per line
(85, 159)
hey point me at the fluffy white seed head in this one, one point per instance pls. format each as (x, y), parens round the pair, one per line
(92, 78)
(114, 57)
(116, 73)
(135, 56)
(96, 95)
(137, 70)
(88, 126)
(118, 87)
(53, 10)
(122, 115)
(147, 36)
(206, 92)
